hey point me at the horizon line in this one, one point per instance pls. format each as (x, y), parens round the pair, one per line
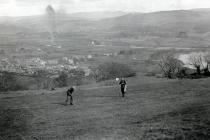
(128, 12)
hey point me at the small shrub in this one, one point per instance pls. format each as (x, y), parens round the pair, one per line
(126, 52)
(61, 80)
(40, 77)
(76, 76)
(9, 82)
(151, 73)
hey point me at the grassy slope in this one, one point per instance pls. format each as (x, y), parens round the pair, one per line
(151, 110)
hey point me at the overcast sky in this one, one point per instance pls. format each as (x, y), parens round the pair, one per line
(36, 7)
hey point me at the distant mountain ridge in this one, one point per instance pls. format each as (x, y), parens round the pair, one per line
(183, 20)
(97, 15)
(164, 22)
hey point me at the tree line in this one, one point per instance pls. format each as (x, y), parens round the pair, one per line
(171, 67)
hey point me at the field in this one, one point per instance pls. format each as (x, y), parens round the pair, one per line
(152, 109)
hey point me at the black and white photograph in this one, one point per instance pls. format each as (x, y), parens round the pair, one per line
(104, 69)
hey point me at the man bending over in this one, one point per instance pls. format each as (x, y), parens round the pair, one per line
(69, 95)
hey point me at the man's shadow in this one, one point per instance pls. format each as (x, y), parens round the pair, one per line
(61, 103)
(102, 96)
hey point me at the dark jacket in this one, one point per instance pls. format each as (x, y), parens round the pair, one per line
(70, 91)
(122, 82)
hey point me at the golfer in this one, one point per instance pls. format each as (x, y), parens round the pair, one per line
(69, 93)
(123, 86)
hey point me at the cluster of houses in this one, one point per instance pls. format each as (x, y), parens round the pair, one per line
(55, 65)
(30, 66)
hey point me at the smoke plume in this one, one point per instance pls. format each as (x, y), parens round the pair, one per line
(51, 15)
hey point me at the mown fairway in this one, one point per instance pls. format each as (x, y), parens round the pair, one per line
(157, 110)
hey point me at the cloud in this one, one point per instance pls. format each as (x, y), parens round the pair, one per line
(4, 2)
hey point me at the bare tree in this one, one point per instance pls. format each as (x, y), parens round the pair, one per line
(207, 61)
(197, 61)
(170, 66)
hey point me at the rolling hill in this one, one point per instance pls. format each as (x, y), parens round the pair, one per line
(163, 28)
(194, 21)
(167, 21)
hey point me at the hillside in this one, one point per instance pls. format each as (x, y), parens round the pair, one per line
(167, 21)
(149, 111)
(63, 22)
(97, 15)
(192, 21)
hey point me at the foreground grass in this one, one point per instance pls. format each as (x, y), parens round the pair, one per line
(164, 110)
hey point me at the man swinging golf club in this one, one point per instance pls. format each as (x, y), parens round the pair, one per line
(69, 93)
